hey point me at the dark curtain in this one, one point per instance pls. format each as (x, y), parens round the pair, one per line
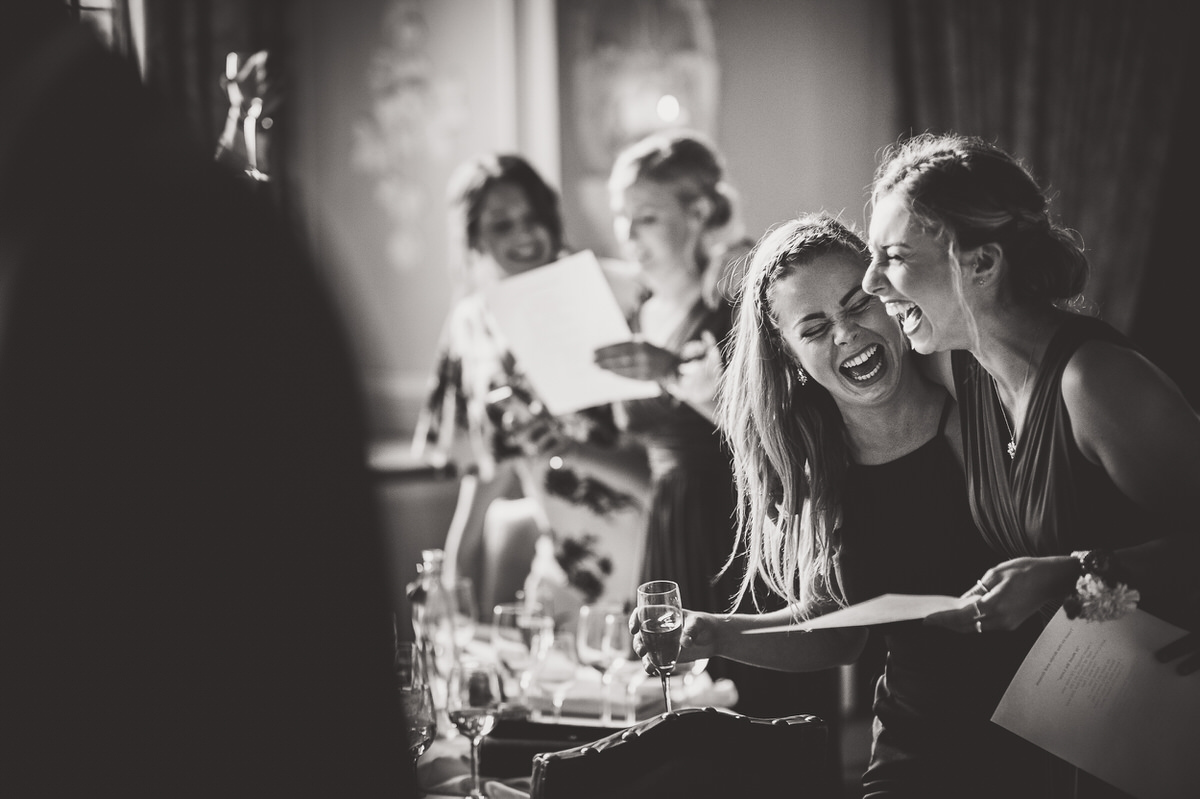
(1086, 92)
(186, 45)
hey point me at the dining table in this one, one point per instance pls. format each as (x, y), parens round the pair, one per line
(443, 771)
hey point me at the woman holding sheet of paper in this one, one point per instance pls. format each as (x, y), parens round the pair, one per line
(1083, 458)
(668, 198)
(514, 497)
(847, 464)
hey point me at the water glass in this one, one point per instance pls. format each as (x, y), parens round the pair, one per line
(416, 698)
(603, 642)
(555, 669)
(518, 630)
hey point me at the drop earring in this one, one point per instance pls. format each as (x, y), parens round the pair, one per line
(802, 375)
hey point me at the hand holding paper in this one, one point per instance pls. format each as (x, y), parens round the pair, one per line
(553, 319)
(637, 359)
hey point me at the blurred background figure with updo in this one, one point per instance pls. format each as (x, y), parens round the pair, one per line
(566, 487)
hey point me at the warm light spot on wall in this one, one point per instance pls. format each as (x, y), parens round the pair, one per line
(668, 108)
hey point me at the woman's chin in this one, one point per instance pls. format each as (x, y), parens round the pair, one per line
(922, 343)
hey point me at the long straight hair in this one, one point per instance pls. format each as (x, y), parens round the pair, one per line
(787, 436)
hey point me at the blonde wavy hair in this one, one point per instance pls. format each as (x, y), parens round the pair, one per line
(787, 437)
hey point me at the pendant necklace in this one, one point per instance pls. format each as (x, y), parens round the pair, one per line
(1012, 438)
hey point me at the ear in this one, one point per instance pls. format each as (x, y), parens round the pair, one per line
(984, 263)
(700, 209)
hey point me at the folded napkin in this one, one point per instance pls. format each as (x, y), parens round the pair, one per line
(635, 695)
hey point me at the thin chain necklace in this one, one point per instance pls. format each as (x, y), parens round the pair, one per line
(1012, 438)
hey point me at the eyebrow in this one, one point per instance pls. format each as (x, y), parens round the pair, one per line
(845, 299)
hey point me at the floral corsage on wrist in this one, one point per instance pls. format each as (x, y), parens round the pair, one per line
(1100, 593)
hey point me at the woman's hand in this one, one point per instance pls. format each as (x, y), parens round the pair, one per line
(698, 640)
(1010, 593)
(639, 360)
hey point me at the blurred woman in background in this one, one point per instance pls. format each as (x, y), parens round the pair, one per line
(507, 219)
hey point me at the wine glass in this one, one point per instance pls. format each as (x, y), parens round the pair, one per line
(517, 630)
(472, 701)
(556, 667)
(602, 641)
(466, 612)
(660, 615)
(416, 698)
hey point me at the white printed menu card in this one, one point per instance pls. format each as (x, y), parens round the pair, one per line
(553, 319)
(1093, 694)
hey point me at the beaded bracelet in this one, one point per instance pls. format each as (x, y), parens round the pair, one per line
(1100, 594)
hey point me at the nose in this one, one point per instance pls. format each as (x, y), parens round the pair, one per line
(845, 331)
(623, 229)
(873, 281)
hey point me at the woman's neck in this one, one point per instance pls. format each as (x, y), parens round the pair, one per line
(676, 284)
(1010, 346)
(884, 432)
(669, 303)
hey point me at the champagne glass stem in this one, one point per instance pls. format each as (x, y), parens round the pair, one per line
(476, 788)
(666, 684)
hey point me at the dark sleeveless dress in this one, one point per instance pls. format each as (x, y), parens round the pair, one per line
(1049, 499)
(907, 529)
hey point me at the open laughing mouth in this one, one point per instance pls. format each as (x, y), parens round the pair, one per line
(527, 253)
(864, 366)
(907, 314)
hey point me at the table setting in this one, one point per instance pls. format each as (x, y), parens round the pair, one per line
(521, 684)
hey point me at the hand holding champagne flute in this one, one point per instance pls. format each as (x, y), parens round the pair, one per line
(660, 619)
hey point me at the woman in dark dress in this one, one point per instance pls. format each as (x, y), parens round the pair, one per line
(669, 203)
(847, 465)
(1082, 458)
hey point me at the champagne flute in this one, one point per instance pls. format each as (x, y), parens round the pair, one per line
(602, 641)
(472, 701)
(416, 698)
(660, 615)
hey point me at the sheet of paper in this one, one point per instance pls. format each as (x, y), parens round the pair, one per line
(553, 319)
(880, 610)
(1093, 694)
